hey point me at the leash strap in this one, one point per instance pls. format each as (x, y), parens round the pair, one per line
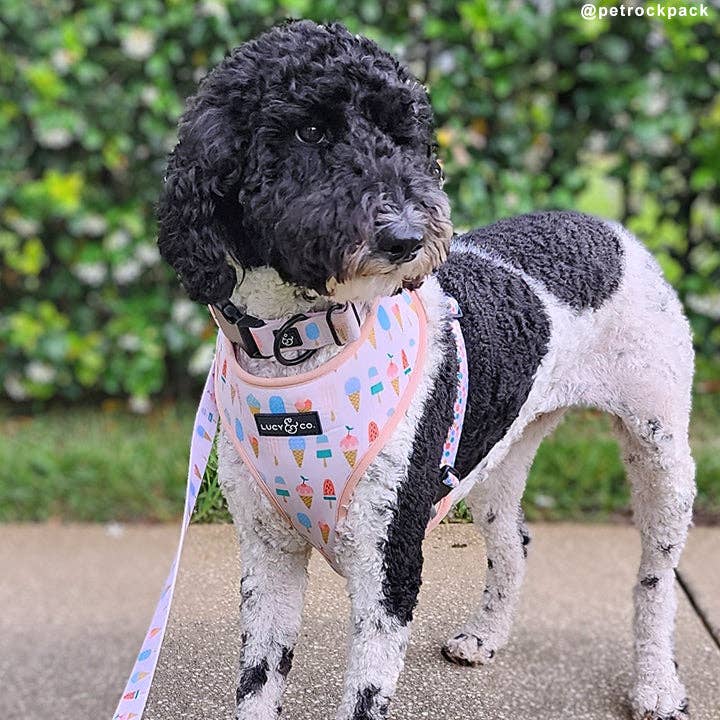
(135, 695)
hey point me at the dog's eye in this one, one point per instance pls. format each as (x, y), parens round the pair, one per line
(310, 135)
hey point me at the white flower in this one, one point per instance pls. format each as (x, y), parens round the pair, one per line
(140, 404)
(708, 305)
(94, 225)
(54, 138)
(213, 8)
(149, 94)
(182, 311)
(147, 254)
(40, 372)
(23, 225)
(127, 272)
(61, 59)
(92, 274)
(14, 387)
(445, 62)
(201, 359)
(129, 342)
(138, 44)
(117, 240)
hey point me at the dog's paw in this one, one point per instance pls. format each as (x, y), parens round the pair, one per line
(648, 703)
(467, 649)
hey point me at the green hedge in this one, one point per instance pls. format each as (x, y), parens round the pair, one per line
(536, 108)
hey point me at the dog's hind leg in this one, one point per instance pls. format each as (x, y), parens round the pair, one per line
(274, 562)
(661, 472)
(495, 505)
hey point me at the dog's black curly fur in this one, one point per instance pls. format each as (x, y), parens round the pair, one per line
(240, 182)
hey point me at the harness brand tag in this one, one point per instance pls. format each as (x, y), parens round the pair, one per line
(288, 424)
(290, 338)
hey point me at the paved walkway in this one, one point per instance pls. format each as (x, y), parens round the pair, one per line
(75, 602)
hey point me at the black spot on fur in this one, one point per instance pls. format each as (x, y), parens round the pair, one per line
(252, 680)
(367, 706)
(490, 517)
(667, 549)
(489, 564)
(506, 334)
(286, 661)
(650, 581)
(577, 257)
(403, 549)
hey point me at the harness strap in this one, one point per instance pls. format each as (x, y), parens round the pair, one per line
(135, 695)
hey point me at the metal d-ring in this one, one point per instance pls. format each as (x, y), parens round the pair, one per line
(302, 357)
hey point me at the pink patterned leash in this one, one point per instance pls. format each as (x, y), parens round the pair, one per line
(134, 697)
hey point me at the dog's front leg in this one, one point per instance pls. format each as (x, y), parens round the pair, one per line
(274, 577)
(273, 588)
(381, 554)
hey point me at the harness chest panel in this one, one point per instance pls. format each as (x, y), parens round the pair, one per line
(307, 439)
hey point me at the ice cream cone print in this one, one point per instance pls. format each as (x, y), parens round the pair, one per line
(276, 404)
(376, 385)
(297, 446)
(253, 404)
(255, 445)
(332, 415)
(305, 492)
(324, 531)
(303, 406)
(196, 471)
(352, 390)
(323, 453)
(223, 373)
(372, 338)
(304, 520)
(349, 446)
(233, 393)
(281, 489)
(203, 433)
(373, 431)
(398, 316)
(405, 364)
(393, 374)
(329, 492)
(384, 319)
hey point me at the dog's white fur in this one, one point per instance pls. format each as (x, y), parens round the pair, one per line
(632, 358)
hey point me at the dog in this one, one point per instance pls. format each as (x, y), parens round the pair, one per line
(306, 176)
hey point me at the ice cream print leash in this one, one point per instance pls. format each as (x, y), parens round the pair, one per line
(135, 694)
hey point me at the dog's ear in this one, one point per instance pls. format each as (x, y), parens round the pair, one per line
(200, 184)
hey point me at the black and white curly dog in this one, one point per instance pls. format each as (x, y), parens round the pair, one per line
(305, 174)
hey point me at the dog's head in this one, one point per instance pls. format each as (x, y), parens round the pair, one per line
(308, 150)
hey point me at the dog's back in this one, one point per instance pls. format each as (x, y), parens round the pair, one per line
(553, 304)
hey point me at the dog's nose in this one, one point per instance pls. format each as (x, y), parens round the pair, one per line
(399, 245)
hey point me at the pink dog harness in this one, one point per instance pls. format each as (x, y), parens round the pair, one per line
(308, 439)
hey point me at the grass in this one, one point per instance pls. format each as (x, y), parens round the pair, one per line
(105, 464)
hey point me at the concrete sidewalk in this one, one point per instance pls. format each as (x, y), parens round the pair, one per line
(76, 602)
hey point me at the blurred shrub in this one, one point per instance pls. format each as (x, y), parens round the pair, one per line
(536, 108)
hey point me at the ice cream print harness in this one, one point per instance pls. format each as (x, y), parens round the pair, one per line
(307, 439)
